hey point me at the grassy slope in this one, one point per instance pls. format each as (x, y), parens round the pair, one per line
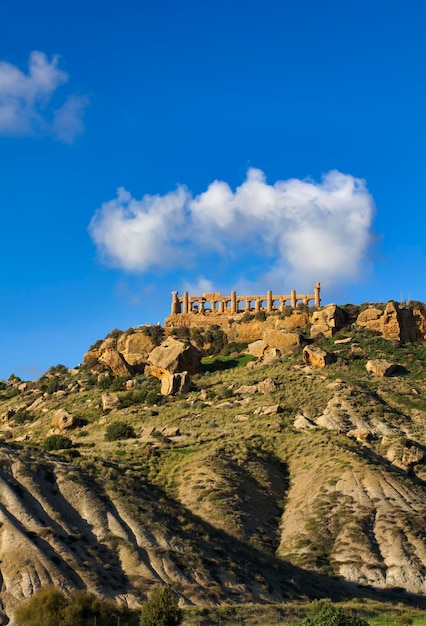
(237, 488)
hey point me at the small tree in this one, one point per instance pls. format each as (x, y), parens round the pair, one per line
(324, 613)
(161, 609)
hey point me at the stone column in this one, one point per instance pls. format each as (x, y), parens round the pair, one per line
(317, 290)
(269, 301)
(257, 305)
(185, 302)
(175, 303)
(293, 298)
(221, 306)
(247, 306)
(234, 305)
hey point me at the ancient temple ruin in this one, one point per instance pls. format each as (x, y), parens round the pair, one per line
(214, 305)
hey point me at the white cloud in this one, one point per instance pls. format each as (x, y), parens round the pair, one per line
(26, 100)
(67, 121)
(308, 231)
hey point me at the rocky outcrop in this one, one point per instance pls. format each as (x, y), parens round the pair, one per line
(371, 318)
(327, 321)
(405, 456)
(116, 363)
(174, 356)
(316, 357)
(135, 348)
(401, 324)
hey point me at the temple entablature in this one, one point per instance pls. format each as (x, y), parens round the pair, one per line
(216, 304)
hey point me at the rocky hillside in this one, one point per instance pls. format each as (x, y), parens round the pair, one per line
(296, 471)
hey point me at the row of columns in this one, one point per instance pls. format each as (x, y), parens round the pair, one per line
(185, 304)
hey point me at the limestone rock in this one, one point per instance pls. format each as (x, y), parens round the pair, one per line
(174, 384)
(146, 432)
(270, 355)
(343, 341)
(317, 357)
(37, 404)
(405, 457)
(303, 423)
(266, 386)
(295, 321)
(327, 321)
(371, 318)
(63, 420)
(269, 410)
(110, 401)
(246, 389)
(90, 356)
(360, 434)
(380, 367)
(281, 340)
(175, 356)
(115, 362)
(257, 348)
(173, 431)
(135, 348)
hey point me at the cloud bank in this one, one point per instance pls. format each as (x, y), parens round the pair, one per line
(26, 106)
(305, 230)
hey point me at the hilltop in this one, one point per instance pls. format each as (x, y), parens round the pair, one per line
(280, 468)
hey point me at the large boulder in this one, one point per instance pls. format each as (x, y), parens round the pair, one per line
(63, 420)
(115, 362)
(317, 357)
(282, 341)
(380, 367)
(135, 348)
(327, 321)
(371, 318)
(257, 348)
(174, 356)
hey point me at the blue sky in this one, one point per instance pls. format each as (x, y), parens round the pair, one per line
(255, 145)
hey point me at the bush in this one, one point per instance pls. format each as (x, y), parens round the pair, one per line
(404, 620)
(22, 416)
(50, 607)
(57, 442)
(161, 609)
(155, 333)
(119, 430)
(324, 613)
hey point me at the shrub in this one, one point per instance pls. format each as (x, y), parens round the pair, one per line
(50, 607)
(404, 620)
(246, 317)
(22, 416)
(161, 609)
(152, 397)
(57, 442)
(324, 613)
(155, 333)
(119, 430)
